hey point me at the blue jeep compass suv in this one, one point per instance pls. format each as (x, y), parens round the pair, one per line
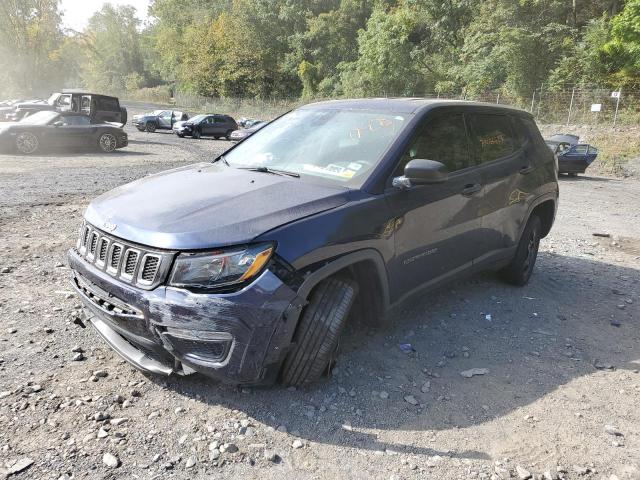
(247, 268)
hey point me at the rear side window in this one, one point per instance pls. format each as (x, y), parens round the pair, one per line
(76, 120)
(443, 139)
(493, 137)
(108, 104)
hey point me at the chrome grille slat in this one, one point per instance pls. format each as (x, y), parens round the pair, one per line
(130, 264)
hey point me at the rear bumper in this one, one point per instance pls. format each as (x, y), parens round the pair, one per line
(238, 338)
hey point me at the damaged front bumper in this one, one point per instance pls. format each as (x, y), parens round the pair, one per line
(239, 337)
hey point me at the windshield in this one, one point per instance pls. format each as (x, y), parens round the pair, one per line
(341, 145)
(52, 99)
(197, 118)
(40, 118)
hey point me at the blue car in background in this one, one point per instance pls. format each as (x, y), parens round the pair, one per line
(573, 157)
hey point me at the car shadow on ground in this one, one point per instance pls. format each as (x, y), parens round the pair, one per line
(533, 340)
(582, 178)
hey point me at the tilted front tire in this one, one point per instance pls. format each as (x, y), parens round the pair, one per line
(195, 134)
(519, 271)
(150, 127)
(318, 331)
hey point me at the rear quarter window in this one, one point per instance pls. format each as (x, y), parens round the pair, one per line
(108, 104)
(493, 137)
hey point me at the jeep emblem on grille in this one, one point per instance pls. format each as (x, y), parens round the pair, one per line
(109, 227)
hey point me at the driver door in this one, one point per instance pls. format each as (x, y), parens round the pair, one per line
(73, 132)
(437, 226)
(164, 119)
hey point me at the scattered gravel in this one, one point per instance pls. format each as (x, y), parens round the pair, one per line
(557, 398)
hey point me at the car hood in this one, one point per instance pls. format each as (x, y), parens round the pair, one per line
(35, 106)
(208, 205)
(179, 124)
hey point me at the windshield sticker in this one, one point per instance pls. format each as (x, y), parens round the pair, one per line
(354, 166)
(331, 169)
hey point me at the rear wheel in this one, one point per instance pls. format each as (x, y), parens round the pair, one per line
(151, 127)
(107, 142)
(519, 271)
(318, 331)
(27, 143)
(228, 134)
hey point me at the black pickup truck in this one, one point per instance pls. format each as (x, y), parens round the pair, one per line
(100, 108)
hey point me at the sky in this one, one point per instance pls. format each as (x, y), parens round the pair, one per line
(76, 13)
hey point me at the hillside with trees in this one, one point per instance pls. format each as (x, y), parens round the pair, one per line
(325, 48)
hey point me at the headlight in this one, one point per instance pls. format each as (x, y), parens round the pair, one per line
(217, 269)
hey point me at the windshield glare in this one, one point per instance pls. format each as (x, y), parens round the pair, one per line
(341, 145)
(197, 118)
(40, 118)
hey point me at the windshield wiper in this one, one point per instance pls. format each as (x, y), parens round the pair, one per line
(273, 171)
(224, 160)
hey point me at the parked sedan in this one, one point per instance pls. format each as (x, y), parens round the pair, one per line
(573, 157)
(208, 125)
(46, 130)
(158, 119)
(242, 133)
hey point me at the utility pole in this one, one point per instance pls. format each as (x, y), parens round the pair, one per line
(573, 92)
(615, 115)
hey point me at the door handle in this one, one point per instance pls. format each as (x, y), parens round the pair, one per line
(526, 169)
(470, 189)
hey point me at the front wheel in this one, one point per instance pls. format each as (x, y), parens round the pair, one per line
(318, 331)
(150, 127)
(519, 271)
(27, 143)
(196, 134)
(107, 142)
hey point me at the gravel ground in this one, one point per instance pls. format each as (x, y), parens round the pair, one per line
(555, 392)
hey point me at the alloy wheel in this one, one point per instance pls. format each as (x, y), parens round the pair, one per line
(107, 142)
(27, 143)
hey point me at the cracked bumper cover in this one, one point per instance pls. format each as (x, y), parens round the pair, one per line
(238, 337)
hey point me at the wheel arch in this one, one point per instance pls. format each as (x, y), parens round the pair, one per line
(546, 210)
(367, 268)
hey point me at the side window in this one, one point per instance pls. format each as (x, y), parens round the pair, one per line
(443, 139)
(580, 149)
(166, 115)
(64, 102)
(75, 120)
(85, 104)
(108, 104)
(493, 136)
(219, 120)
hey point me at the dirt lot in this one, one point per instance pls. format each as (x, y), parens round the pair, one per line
(559, 397)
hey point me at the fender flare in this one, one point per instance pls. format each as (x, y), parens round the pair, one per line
(535, 203)
(342, 262)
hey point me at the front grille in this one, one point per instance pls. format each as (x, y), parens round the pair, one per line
(116, 253)
(129, 263)
(149, 269)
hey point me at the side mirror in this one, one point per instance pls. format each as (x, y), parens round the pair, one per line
(58, 124)
(422, 172)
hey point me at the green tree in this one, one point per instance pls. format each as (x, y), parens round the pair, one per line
(30, 37)
(112, 44)
(621, 55)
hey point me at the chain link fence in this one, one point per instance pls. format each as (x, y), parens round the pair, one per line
(594, 107)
